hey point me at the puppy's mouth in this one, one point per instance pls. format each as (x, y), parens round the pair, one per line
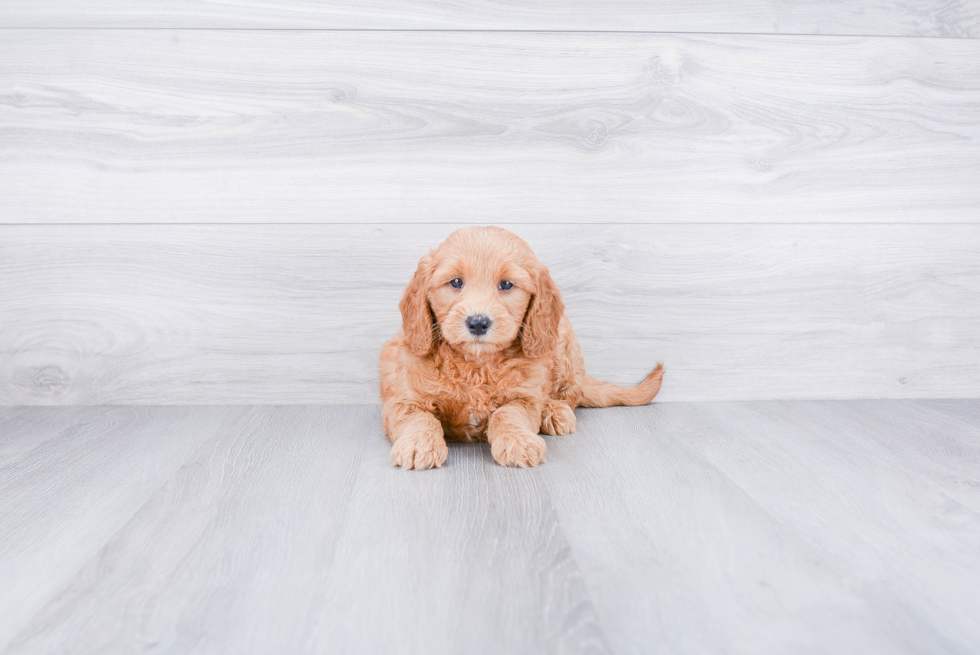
(478, 344)
(482, 340)
(479, 348)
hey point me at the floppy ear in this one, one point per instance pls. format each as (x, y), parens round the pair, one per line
(417, 317)
(539, 334)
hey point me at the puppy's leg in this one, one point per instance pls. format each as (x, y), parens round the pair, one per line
(557, 417)
(513, 433)
(417, 440)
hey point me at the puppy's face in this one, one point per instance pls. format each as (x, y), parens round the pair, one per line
(479, 294)
(484, 290)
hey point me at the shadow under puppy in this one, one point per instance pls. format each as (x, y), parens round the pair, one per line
(486, 352)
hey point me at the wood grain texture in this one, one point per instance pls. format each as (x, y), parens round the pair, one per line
(774, 527)
(230, 555)
(957, 18)
(480, 548)
(64, 500)
(24, 429)
(165, 126)
(819, 527)
(963, 409)
(298, 314)
(291, 532)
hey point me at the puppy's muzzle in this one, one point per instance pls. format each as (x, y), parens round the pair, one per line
(478, 324)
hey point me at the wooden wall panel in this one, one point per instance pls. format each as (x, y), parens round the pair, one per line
(955, 18)
(164, 126)
(298, 313)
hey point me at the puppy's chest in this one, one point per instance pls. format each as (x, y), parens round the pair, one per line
(465, 403)
(464, 414)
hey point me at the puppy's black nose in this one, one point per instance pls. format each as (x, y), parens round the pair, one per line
(478, 324)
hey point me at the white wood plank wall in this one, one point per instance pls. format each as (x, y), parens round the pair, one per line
(947, 18)
(175, 126)
(114, 314)
(207, 202)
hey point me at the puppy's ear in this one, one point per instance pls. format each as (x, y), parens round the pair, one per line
(416, 315)
(539, 334)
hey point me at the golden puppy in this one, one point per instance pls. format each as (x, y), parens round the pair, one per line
(486, 352)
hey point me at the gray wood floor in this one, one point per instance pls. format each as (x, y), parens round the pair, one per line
(767, 527)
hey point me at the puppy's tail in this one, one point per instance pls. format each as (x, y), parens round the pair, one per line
(605, 394)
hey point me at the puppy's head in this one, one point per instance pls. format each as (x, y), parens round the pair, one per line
(481, 291)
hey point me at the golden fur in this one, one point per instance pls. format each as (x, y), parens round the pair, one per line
(524, 376)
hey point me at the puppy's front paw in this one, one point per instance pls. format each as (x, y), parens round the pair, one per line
(521, 449)
(557, 418)
(419, 451)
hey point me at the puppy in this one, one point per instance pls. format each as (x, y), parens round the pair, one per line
(486, 352)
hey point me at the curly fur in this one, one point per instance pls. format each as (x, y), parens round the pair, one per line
(526, 375)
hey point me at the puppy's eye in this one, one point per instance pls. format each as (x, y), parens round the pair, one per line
(456, 283)
(505, 285)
